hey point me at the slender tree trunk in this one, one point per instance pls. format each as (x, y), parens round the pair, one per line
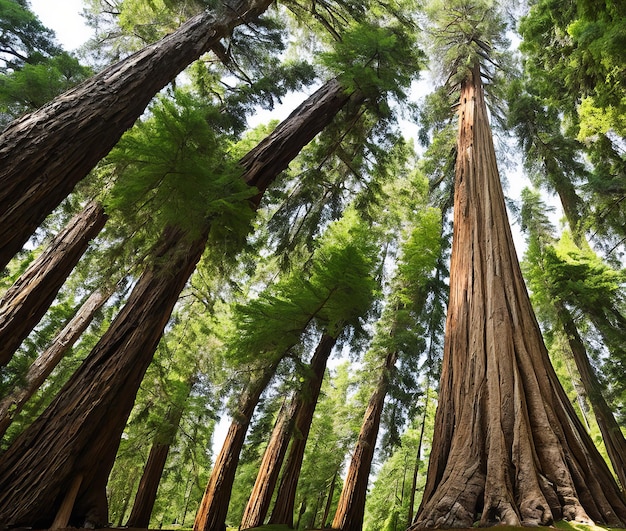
(329, 500)
(610, 430)
(261, 495)
(26, 302)
(45, 153)
(351, 508)
(79, 433)
(42, 367)
(213, 509)
(152, 472)
(99, 397)
(508, 445)
(286, 497)
(418, 458)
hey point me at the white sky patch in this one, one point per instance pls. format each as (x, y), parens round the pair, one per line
(64, 17)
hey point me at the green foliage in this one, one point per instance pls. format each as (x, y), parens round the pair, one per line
(389, 498)
(173, 168)
(375, 60)
(23, 38)
(466, 34)
(33, 85)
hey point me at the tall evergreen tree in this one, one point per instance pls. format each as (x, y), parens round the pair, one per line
(507, 442)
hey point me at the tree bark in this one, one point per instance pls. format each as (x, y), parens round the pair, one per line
(286, 497)
(508, 447)
(152, 472)
(26, 302)
(45, 153)
(274, 153)
(610, 430)
(79, 433)
(351, 507)
(261, 496)
(212, 512)
(41, 368)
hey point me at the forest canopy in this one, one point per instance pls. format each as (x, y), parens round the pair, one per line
(313, 264)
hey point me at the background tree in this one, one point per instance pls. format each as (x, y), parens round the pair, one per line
(553, 278)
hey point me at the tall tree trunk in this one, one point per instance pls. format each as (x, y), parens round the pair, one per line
(99, 397)
(152, 472)
(610, 430)
(351, 507)
(41, 368)
(45, 153)
(213, 509)
(261, 496)
(286, 497)
(507, 444)
(79, 433)
(26, 302)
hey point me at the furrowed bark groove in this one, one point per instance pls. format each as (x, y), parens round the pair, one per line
(508, 447)
(45, 153)
(26, 302)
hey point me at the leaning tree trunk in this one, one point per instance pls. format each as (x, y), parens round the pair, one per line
(351, 507)
(57, 453)
(41, 368)
(152, 472)
(508, 446)
(26, 302)
(74, 442)
(286, 497)
(261, 496)
(610, 430)
(45, 153)
(212, 512)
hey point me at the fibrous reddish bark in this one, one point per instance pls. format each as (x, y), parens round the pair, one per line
(26, 302)
(351, 507)
(212, 512)
(261, 496)
(286, 496)
(41, 368)
(508, 447)
(45, 153)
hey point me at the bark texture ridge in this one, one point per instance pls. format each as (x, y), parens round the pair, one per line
(508, 447)
(45, 153)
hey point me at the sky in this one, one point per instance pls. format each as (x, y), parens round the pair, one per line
(63, 16)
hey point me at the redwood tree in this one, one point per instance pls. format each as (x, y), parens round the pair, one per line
(508, 446)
